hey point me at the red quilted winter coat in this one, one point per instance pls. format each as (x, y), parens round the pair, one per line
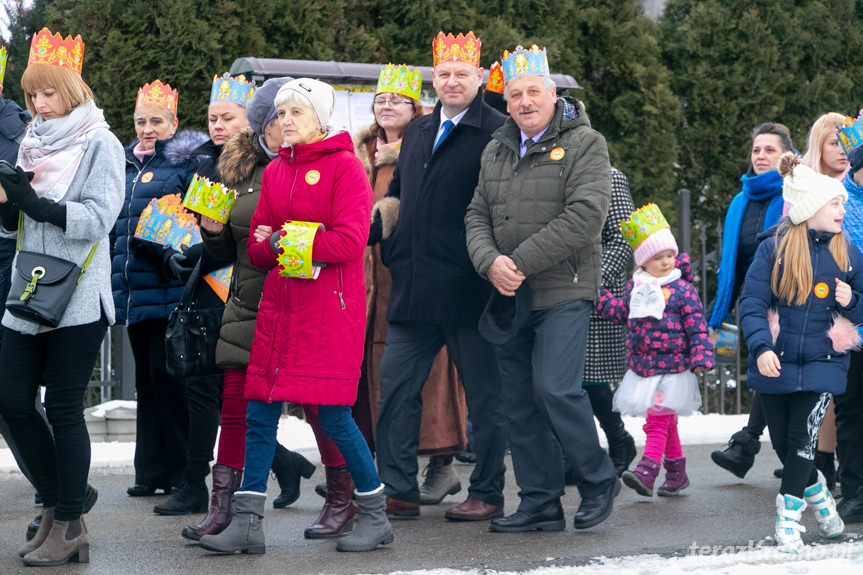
(308, 344)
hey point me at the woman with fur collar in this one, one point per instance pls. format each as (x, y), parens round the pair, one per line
(444, 417)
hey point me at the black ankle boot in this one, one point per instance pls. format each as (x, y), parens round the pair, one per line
(190, 495)
(739, 456)
(288, 467)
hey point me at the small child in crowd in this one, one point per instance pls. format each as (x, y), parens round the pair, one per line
(668, 344)
(801, 299)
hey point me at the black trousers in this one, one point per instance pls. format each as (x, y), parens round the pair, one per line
(62, 360)
(163, 422)
(204, 400)
(849, 428)
(794, 420)
(756, 423)
(410, 350)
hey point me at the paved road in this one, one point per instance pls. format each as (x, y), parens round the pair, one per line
(126, 537)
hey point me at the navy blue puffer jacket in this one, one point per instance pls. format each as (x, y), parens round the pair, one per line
(808, 359)
(141, 291)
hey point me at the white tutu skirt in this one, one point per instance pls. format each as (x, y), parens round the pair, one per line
(666, 393)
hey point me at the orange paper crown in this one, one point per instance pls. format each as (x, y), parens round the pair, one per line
(459, 49)
(53, 50)
(158, 93)
(495, 79)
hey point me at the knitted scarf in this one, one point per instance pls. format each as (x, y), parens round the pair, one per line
(767, 186)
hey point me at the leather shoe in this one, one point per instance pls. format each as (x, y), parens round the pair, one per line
(549, 518)
(398, 509)
(139, 490)
(474, 510)
(594, 510)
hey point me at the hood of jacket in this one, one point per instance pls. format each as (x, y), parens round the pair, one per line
(338, 142)
(13, 120)
(366, 142)
(240, 156)
(185, 146)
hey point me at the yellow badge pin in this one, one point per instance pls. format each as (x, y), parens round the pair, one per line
(313, 177)
(147, 177)
(557, 154)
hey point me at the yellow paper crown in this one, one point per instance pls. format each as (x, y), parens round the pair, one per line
(521, 62)
(158, 93)
(2, 64)
(495, 79)
(642, 223)
(295, 250)
(456, 49)
(53, 50)
(229, 89)
(210, 199)
(400, 80)
(851, 135)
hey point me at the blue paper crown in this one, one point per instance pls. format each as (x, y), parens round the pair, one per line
(851, 135)
(521, 62)
(229, 89)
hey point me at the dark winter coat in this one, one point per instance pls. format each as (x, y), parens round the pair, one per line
(809, 361)
(241, 166)
(674, 344)
(308, 344)
(13, 122)
(546, 209)
(433, 278)
(141, 291)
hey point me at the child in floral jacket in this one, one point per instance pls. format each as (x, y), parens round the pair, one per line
(668, 344)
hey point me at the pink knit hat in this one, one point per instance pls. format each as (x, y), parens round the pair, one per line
(658, 241)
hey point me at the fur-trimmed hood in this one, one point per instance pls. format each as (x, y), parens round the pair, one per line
(240, 156)
(365, 144)
(183, 147)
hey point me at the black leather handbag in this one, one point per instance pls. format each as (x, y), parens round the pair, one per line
(42, 285)
(192, 333)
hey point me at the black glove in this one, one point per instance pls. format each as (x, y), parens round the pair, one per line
(376, 231)
(274, 241)
(178, 266)
(21, 193)
(855, 158)
(193, 253)
(147, 251)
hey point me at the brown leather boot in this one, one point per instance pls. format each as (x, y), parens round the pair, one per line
(67, 541)
(337, 516)
(226, 480)
(41, 533)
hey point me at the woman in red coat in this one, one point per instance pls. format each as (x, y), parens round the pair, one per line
(308, 344)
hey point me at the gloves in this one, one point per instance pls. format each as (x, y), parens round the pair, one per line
(376, 230)
(274, 241)
(147, 251)
(855, 158)
(21, 193)
(180, 265)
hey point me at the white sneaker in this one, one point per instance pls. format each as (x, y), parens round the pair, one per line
(823, 505)
(788, 528)
(440, 481)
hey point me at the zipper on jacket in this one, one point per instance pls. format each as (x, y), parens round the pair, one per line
(129, 237)
(805, 322)
(341, 288)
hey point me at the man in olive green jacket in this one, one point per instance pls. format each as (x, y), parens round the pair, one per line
(536, 218)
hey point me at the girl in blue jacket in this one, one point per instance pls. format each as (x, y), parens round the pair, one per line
(801, 300)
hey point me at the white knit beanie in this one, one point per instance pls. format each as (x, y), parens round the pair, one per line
(804, 190)
(319, 95)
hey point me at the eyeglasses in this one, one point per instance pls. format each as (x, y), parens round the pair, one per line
(379, 101)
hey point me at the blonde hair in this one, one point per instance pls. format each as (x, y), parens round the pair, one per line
(69, 84)
(791, 280)
(822, 129)
(153, 107)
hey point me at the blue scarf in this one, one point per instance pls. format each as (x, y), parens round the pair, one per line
(767, 186)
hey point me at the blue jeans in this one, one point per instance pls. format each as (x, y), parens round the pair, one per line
(338, 424)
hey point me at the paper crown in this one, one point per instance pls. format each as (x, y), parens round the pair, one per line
(643, 222)
(2, 64)
(456, 49)
(521, 62)
(228, 89)
(400, 80)
(495, 79)
(158, 93)
(53, 50)
(210, 199)
(851, 135)
(295, 250)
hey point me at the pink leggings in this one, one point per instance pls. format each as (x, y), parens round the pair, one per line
(232, 440)
(662, 438)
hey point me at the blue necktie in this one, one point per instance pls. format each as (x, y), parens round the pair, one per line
(447, 128)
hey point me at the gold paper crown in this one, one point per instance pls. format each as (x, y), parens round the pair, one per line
(400, 80)
(642, 223)
(495, 79)
(456, 49)
(851, 135)
(229, 89)
(53, 50)
(158, 93)
(211, 199)
(2, 64)
(521, 62)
